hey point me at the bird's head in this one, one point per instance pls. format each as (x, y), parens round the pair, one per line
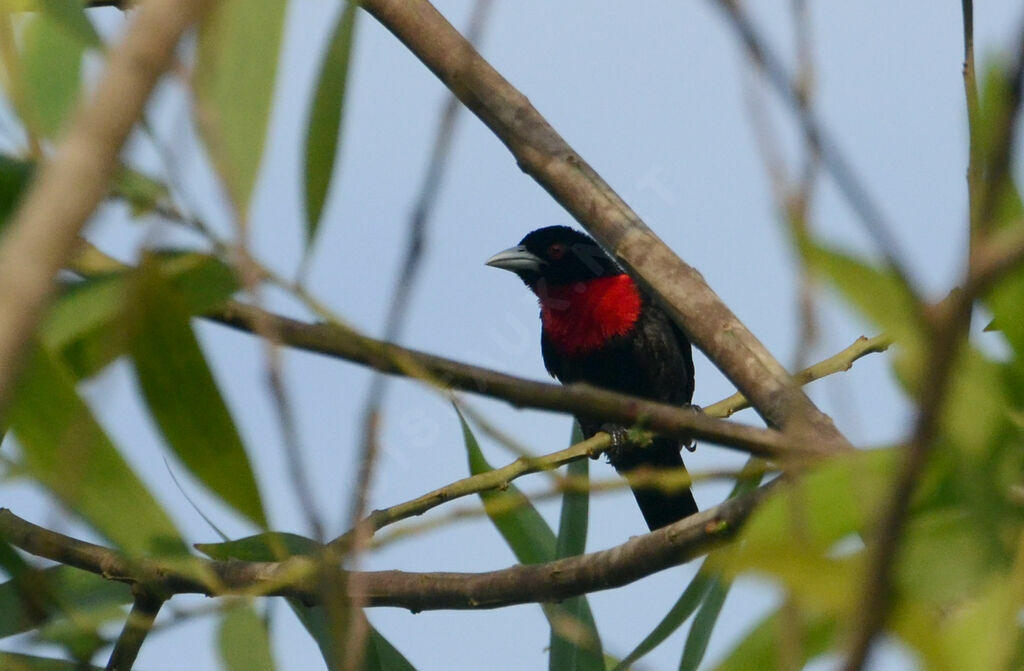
(558, 255)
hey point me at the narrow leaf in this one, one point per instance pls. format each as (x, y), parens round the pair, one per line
(51, 61)
(236, 64)
(244, 641)
(268, 546)
(763, 647)
(879, 295)
(70, 14)
(66, 450)
(275, 546)
(572, 526)
(703, 624)
(71, 590)
(142, 192)
(325, 118)
(582, 651)
(14, 175)
(184, 399)
(692, 596)
(382, 656)
(10, 661)
(518, 522)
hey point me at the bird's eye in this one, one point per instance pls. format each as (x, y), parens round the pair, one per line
(556, 251)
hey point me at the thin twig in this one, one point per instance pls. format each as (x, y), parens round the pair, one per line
(973, 124)
(836, 363)
(592, 447)
(814, 132)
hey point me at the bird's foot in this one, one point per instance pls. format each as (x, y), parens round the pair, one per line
(622, 440)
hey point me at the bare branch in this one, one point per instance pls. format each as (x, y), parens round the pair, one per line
(668, 420)
(303, 578)
(834, 364)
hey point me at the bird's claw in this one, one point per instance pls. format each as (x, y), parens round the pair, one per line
(690, 444)
(619, 439)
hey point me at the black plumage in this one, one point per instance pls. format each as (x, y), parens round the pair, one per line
(599, 328)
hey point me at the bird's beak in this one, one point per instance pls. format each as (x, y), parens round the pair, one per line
(517, 259)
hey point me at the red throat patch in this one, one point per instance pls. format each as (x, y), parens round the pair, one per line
(582, 316)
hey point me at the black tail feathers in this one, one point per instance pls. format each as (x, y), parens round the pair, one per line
(659, 507)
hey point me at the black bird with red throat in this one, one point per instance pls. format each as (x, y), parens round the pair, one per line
(598, 327)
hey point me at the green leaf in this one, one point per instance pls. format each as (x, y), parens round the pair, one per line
(703, 624)
(518, 522)
(764, 647)
(91, 322)
(985, 632)
(70, 15)
(792, 534)
(1005, 300)
(382, 656)
(533, 542)
(681, 610)
(10, 661)
(275, 546)
(87, 324)
(975, 408)
(244, 641)
(67, 590)
(267, 546)
(572, 525)
(880, 296)
(583, 650)
(184, 399)
(51, 62)
(14, 175)
(700, 587)
(142, 192)
(236, 64)
(66, 450)
(945, 557)
(325, 117)
(202, 281)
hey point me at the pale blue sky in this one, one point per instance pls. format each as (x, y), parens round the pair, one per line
(651, 94)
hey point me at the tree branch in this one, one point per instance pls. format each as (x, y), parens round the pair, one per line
(70, 185)
(546, 157)
(298, 577)
(136, 628)
(834, 364)
(337, 341)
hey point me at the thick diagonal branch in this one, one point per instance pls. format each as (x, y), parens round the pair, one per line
(544, 155)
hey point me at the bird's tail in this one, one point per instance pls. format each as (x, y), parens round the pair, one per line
(660, 506)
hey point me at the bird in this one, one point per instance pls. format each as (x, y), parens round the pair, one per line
(599, 327)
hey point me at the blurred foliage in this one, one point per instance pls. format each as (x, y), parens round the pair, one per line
(959, 571)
